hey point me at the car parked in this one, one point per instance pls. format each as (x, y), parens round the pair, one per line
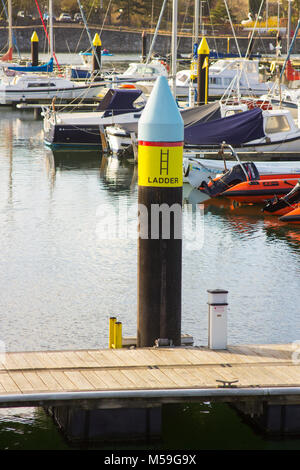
(65, 18)
(78, 18)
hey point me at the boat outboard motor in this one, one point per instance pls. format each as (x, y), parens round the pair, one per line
(235, 175)
(275, 205)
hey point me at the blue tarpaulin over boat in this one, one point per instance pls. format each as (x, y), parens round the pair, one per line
(48, 67)
(119, 101)
(234, 130)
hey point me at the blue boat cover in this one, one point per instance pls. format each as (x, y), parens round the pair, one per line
(80, 73)
(118, 101)
(48, 67)
(234, 130)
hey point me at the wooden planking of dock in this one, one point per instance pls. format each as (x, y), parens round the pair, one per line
(48, 376)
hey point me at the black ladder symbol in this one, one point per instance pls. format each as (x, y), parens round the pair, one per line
(164, 161)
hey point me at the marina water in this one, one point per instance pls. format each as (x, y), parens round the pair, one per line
(63, 276)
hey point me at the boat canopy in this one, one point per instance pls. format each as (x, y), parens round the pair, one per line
(119, 101)
(48, 67)
(203, 113)
(234, 130)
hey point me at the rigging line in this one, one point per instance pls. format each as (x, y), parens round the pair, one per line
(212, 27)
(156, 31)
(233, 32)
(183, 21)
(239, 74)
(252, 34)
(13, 34)
(81, 96)
(105, 16)
(88, 33)
(46, 32)
(254, 27)
(80, 37)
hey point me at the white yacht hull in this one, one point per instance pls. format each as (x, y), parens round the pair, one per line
(11, 95)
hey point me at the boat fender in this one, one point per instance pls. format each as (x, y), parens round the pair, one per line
(165, 65)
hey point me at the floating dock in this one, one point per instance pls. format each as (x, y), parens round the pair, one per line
(173, 374)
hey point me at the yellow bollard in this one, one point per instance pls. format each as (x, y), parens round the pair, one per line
(228, 39)
(118, 335)
(115, 333)
(111, 339)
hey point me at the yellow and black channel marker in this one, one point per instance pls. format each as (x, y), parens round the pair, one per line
(97, 47)
(160, 155)
(34, 49)
(202, 77)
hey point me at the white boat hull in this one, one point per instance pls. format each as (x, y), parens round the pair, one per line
(118, 139)
(9, 95)
(197, 175)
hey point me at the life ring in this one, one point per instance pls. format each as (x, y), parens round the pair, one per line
(127, 85)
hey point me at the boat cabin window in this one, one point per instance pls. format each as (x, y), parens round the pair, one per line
(140, 69)
(147, 70)
(277, 124)
(39, 84)
(215, 81)
(248, 67)
(140, 102)
(230, 112)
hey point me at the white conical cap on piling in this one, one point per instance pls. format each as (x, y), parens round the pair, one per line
(161, 120)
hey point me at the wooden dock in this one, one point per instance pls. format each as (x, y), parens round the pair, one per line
(48, 377)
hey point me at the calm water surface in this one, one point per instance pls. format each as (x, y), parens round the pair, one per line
(61, 280)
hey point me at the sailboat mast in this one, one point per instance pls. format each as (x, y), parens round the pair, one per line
(51, 27)
(196, 24)
(174, 46)
(288, 36)
(156, 31)
(10, 33)
(88, 33)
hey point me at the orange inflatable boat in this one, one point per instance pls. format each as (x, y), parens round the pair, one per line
(284, 204)
(293, 216)
(261, 190)
(243, 183)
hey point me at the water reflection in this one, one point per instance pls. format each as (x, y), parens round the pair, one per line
(192, 195)
(64, 160)
(276, 230)
(244, 221)
(249, 221)
(118, 175)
